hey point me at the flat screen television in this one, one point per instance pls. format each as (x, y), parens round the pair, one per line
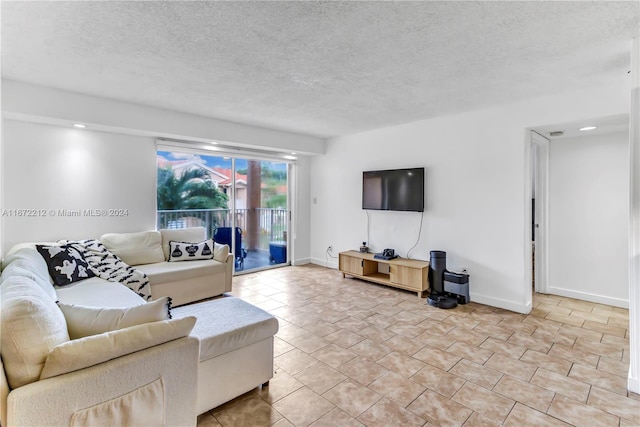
(393, 190)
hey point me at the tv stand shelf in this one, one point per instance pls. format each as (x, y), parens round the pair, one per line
(409, 274)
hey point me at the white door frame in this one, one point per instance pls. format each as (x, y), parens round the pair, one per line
(292, 200)
(633, 382)
(540, 183)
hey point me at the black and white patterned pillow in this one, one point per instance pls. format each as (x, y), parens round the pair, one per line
(186, 251)
(65, 264)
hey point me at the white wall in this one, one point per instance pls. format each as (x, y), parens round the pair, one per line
(477, 189)
(28, 102)
(588, 218)
(116, 128)
(1, 175)
(52, 168)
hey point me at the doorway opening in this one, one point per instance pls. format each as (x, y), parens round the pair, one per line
(578, 175)
(539, 212)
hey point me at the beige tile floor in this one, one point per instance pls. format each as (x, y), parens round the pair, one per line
(351, 353)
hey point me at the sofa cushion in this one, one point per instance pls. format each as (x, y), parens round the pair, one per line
(27, 262)
(185, 251)
(98, 292)
(191, 235)
(31, 324)
(83, 321)
(65, 264)
(135, 248)
(165, 272)
(226, 324)
(92, 350)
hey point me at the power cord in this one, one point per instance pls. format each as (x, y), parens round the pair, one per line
(328, 254)
(419, 235)
(368, 228)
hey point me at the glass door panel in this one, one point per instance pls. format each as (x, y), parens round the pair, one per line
(261, 210)
(193, 191)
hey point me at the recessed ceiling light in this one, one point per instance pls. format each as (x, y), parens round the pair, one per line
(293, 153)
(79, 125)
(288, 157)
(589, 128)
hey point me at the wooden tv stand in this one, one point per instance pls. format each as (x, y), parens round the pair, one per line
(409, 274)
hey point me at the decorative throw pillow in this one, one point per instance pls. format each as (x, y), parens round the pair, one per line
(185, 251)
(65, 264)
(220, 252)
(83, 321)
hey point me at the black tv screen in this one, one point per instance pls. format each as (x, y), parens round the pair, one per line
(393, 190)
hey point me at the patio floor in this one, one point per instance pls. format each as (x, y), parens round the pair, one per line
(256, 259)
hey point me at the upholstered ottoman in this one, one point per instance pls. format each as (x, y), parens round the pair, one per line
(236, 348)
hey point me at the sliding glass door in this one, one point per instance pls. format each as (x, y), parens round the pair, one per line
(262, 214)
(241, 202)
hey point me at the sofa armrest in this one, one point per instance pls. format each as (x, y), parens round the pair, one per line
(53, 401)
(228, 277)
(4, 394)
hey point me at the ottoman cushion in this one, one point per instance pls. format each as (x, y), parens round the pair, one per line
(226, 324)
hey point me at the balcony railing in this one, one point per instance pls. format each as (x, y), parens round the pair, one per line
(271, 223)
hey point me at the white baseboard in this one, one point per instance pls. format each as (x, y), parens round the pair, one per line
(330, 263)
(633, 384)
(500, 303)
(481, 299)
(585, 296)
(301, 261)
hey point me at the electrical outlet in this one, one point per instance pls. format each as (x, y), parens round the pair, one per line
(329, 248)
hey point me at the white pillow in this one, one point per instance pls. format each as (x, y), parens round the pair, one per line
(88, 351)
(31, 325)
(135, 248)
(220, 252)
(83, 321)
(191, 234)
(186, 251)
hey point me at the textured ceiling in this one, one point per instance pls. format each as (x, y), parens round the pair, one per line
(320, 68)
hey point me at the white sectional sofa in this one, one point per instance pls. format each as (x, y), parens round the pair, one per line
(101, 354)
(148, 252)
(184, 282)
(50, 380)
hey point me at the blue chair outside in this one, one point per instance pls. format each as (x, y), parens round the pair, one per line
(222, 235)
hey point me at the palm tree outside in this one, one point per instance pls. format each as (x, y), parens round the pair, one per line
(192, 189)
(193, 197)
